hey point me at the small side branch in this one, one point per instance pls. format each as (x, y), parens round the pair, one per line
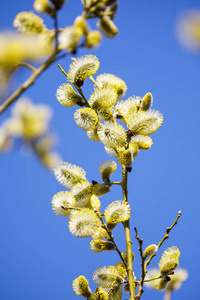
(28, 82)
(145, 264)
(93, 80)
(153, 278)
(29, 66)
(111, 238)
(140, 241)
(165, 237)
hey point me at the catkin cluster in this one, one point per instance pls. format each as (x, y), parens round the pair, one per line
(124, 128)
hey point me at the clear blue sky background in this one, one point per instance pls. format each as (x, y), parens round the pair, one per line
(39, 257)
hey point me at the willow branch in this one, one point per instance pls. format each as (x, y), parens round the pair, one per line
(35, 72)
(30, 81)
(128, 237)
(166, 236)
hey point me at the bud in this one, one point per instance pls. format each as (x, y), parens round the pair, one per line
(129, 168)
(44, 6)
(66, 95)
(116, 212)
(82, 68)
(100, 189)
(143, 142)
(83, 223)
(69, 175)
(100, 245)
(106, 114)
(69, 38)
(129, 134)
(58, 3)
(169, 260)
(61, 201)
(95, 202)
(83, 192)
(93, 39)
(125, 257)
(99, 295)
(143, 122)
(81, 287)
(86, 118)
(106, 169)
(113, 81)
(160, 283)
(107, 277)
(112, 9)
(125, 157)
(107, 27)
(126, 288)
(151, 249)
(104, 97)
(147, 101)
(80, 23)
(28, 23)
(112, 135)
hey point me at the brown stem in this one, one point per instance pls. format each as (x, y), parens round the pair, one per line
(140, 241)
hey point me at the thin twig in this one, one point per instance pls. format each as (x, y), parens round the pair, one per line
(166, 236)
(29, 66)
(154, 278)
(62, 70)
(140, 241)
(94, 81)
(111, 238)
(145, 264)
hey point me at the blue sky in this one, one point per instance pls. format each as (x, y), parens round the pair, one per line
(39, 257)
